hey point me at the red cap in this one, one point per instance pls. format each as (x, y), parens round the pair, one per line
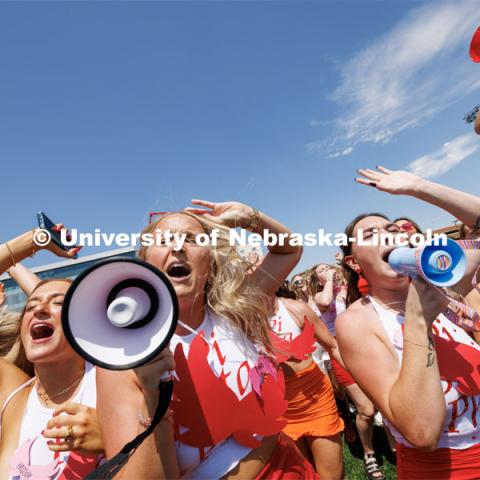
(475, 46)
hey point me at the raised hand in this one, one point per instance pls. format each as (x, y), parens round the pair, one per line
(424, 300)
(229, 214)
(53, 247)
(394, 182)
(150, 375)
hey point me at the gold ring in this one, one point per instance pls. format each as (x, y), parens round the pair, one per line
(69, 436)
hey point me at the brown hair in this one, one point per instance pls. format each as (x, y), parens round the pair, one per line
(20, 359)
(465, 231)
(313, 285)
(352, 277)
(284, 291)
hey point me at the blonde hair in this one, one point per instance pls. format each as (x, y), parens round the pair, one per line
(11, 347)
(230, 291)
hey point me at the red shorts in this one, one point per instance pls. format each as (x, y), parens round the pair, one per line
(441, 464)
(287, 463)
(343, 377)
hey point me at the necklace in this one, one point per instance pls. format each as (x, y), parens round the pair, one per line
(46, 399)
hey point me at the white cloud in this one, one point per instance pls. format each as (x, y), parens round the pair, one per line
(446, 157)
(342, 153)
(417, 69)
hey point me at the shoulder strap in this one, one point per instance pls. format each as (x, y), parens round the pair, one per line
(14, 392)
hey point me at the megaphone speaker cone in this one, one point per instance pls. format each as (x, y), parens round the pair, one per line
(442, 265)
(120, 313)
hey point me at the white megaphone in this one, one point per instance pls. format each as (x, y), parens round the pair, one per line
(442, 266)
(120, 313)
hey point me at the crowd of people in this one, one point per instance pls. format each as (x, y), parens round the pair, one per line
(267, 371)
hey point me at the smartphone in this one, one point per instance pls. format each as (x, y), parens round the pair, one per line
(45, 223)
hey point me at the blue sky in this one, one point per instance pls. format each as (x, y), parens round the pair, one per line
(111, 109)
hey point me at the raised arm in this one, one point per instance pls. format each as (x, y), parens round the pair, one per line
(17, 249)
(461, 205)
(409, 394)
(325, 298)
(464, 206)
(281, 258)
(25, 278)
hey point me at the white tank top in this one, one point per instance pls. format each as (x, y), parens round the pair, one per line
(231, 358)
(32, 459)
(283, 324)
(459, 359)
(320, 356)
(330, 316)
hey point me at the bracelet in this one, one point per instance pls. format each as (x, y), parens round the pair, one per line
(144, 421)
(14, 263)
(33, 244)
(418, 344)
(254, 220)
(147, 421)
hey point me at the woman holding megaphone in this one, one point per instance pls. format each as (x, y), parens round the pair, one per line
(417, 367)
(229, 394)
(48, 423)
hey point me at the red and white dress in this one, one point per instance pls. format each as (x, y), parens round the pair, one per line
(458, 357)
(227, 396)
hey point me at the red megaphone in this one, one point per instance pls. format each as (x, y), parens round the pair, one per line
(475, 46)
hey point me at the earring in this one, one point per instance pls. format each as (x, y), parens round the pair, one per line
(362, 285)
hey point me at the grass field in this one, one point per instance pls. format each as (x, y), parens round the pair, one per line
(353, 457)
(354, 467)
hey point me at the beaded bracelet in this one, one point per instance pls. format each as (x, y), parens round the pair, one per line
(254, 220)
(146, 421)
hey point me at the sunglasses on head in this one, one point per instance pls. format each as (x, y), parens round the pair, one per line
(407, 227)
(154, 216)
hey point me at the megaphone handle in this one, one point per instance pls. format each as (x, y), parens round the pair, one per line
(110, 468)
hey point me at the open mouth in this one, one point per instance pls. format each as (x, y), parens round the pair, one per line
(386, 255)
(41, 331)
(178, 270)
